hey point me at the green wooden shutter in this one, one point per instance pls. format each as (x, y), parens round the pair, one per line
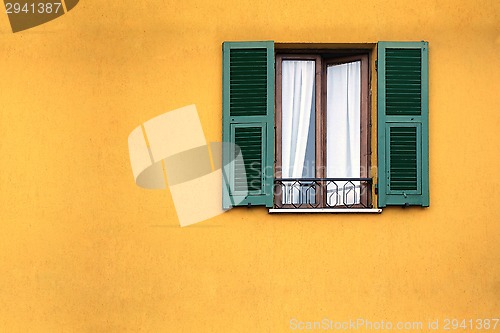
(248, 123)
(403, 124)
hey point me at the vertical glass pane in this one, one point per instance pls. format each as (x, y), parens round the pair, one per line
(343, 138)
(298, 128)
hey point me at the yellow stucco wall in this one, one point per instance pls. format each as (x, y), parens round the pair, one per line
(83, 249)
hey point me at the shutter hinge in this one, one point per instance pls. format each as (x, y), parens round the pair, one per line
(376, 65)
(376, 189)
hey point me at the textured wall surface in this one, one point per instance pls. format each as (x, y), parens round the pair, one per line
(83, 249)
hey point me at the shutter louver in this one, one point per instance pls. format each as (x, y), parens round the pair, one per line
(249, 140)
(403, 171)
(403, 82)
(248, 91)
(248, 122)
(403, 159)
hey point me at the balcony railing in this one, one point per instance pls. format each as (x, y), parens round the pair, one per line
(322, 193)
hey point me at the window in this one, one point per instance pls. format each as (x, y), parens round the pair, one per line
(311, 149)
(322, 131)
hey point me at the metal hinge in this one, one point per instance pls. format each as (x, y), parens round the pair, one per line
(376, 65)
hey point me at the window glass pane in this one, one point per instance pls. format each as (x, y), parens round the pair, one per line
(298, 126)
(343, 138)
(298, 119)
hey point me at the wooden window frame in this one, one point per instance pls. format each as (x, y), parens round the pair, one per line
(322, 61)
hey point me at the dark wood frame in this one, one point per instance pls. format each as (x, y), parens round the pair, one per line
(322, 62)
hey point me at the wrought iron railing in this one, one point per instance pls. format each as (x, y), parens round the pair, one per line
(322, 192)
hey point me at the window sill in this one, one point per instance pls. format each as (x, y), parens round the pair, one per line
(326, 210)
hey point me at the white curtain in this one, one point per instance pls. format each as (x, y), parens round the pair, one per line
(298, 125)
(343, 132)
